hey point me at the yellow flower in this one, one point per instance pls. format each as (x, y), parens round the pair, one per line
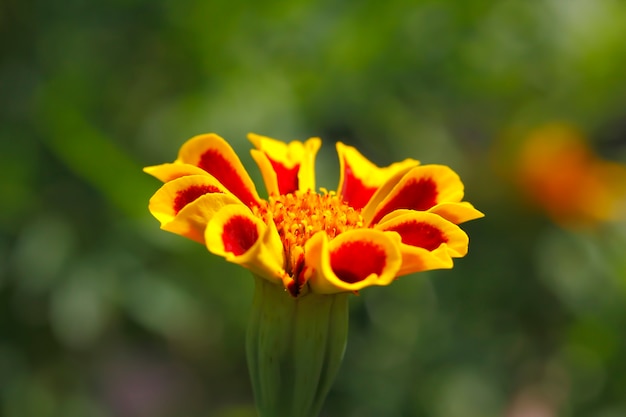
(381, 223)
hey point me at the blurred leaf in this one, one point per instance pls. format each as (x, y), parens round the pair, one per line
(94, 156)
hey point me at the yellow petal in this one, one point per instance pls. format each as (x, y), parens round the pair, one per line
(421, 188)
(286, 167)
(457, 213)
(428, 240)
(172, 171)
(214, 155)
(185, 205)
(242, 238)
(352, 261)
(359, 178)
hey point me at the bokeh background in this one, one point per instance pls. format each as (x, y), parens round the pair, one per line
(104, 315)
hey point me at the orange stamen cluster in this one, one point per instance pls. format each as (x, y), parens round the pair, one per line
(301, 214)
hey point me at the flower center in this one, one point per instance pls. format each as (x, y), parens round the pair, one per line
(301, 214)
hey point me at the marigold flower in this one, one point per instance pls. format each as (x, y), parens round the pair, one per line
(381, 223)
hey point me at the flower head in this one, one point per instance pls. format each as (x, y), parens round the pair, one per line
(382, 222)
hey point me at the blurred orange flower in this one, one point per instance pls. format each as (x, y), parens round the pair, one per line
(560, 173)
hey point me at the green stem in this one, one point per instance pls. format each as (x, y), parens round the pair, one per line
(294, 348)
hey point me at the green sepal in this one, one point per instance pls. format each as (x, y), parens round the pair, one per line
(294, 349)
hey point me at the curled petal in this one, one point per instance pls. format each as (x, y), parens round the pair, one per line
(457, 213)
(185, 205)
(214, 155)
(353, 260)
(172, 171)
(421, 188)
(428, 240)
(242, 238)
(286, 167)
(359, 178)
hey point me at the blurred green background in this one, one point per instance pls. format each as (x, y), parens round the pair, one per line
(104, 315)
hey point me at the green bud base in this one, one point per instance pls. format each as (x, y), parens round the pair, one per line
(294, 349)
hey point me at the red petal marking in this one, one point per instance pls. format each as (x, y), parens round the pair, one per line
(287, 177)
(353, 191)
(188, 195)
(239, 234)
(420, 234)
(217, 165)
(354, 261)
(417, 194)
